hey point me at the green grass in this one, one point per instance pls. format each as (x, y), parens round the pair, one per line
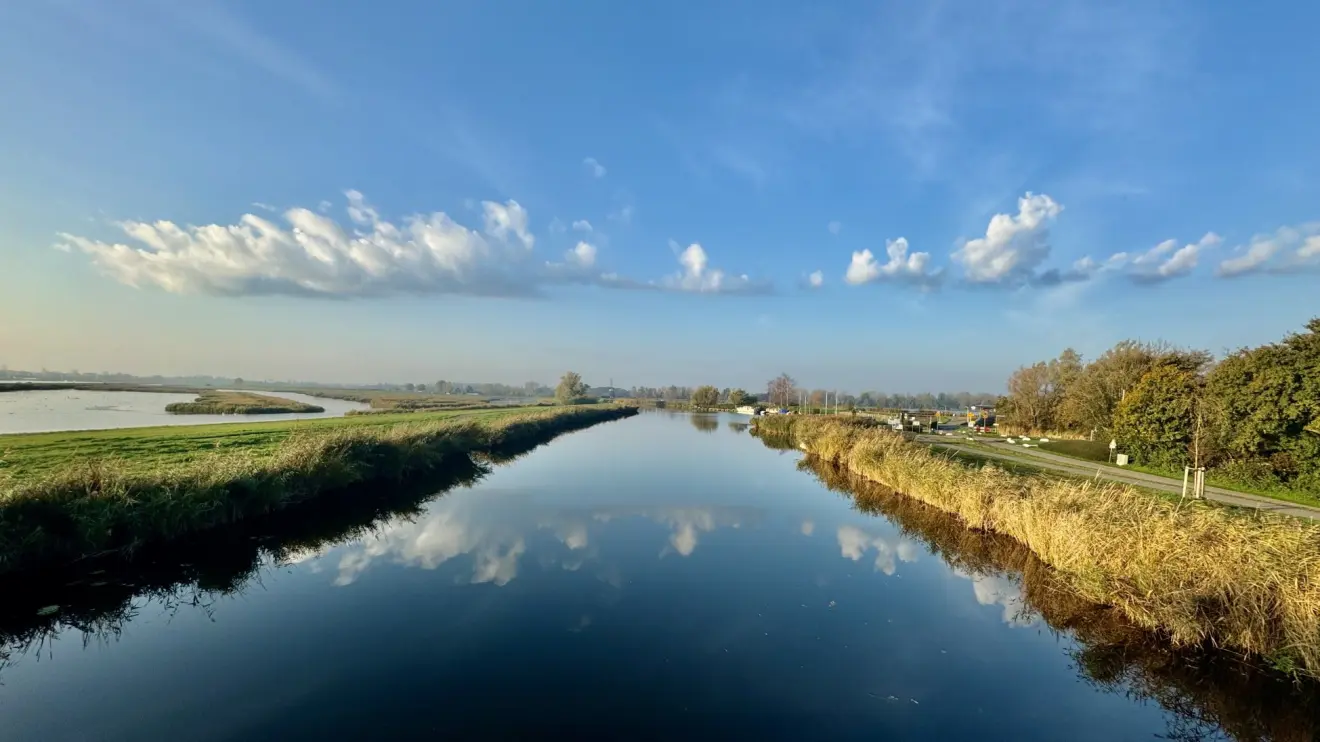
(239, 403)
(1098, 452)
(1085, 450)
(69, 495)
(29, 455)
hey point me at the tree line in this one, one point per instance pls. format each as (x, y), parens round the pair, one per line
(1254, 414)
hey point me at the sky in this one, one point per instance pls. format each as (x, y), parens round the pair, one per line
(871, 196)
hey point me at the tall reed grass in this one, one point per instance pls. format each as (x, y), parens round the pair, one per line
(1249, 582)
(94, 506)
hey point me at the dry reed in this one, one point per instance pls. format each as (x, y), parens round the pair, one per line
(1246, 582)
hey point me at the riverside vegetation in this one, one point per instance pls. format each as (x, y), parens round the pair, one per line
(1252, 418)
(129, 488)
(239, 403)
(1198, 575)
(1206, 690)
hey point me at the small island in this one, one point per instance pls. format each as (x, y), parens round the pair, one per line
(238, 403)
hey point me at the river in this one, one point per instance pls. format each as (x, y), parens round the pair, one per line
(668, 576)
(79, 409)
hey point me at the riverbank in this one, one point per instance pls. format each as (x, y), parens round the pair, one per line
(239, 403)
(99, 497)
(1245, 582)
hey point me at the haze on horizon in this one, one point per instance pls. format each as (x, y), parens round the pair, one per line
(906, 198)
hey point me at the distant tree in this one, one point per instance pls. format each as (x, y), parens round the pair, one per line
(737, 397)
(238, 383)
(421, 387)
(705, 397)
(1155, 421)
(780, 390)
(530, 388)
(441, 387)
(571, 388)
(409, 386)
(817, 398)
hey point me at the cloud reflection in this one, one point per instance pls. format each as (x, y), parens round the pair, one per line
(496, 537)
(854, 543)
(1001, 591)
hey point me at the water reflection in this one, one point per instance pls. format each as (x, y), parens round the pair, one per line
(1208, 692)
(704, 422)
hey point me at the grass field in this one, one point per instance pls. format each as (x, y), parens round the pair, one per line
(1248, 582)
(33, 455)
(239, 403)
(1085, 450)
(64, 496)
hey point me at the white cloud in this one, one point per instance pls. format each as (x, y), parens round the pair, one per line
(583, 254)
(557, 226)
(1166, 260)
(1288, 250)
(815, 279)
(808, 528)
(901, 266)
(501, 219)
(698, 277)
(263, 206)
(1013, 246)
(324, 206)
(313, 255)
(834, 227)
(582, 225)
(593, 167)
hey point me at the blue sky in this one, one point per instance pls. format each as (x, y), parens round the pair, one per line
(886, 196)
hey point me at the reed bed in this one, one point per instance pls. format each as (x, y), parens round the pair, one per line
(239, 403)
(1249, 582)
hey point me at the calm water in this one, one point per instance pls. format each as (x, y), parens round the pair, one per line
(662, 577)
(75, 409)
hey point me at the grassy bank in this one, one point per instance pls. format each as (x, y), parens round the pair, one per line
(102, 498)
(1204, 690)
(239, 403)
(1198, 575)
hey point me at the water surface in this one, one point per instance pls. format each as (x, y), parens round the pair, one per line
(76, 409)
(662, 577)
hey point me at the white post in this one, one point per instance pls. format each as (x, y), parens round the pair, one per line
(1186, 471)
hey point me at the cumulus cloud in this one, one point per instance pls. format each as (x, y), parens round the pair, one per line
(1166, 260)
(815, 279)
(583, 254)
(1288, 250)
(1014, 246)
(901, 266)
(834, 227)
(582, 225)
(698, 277)
(594, 168)
(312, 254)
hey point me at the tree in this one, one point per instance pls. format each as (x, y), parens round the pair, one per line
(421, 387)
(409, 387)
(817, 397)
(705, 397)
(780, 390)
(1156, 421)
(238, 383)
(571, 388)
(737, 397)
